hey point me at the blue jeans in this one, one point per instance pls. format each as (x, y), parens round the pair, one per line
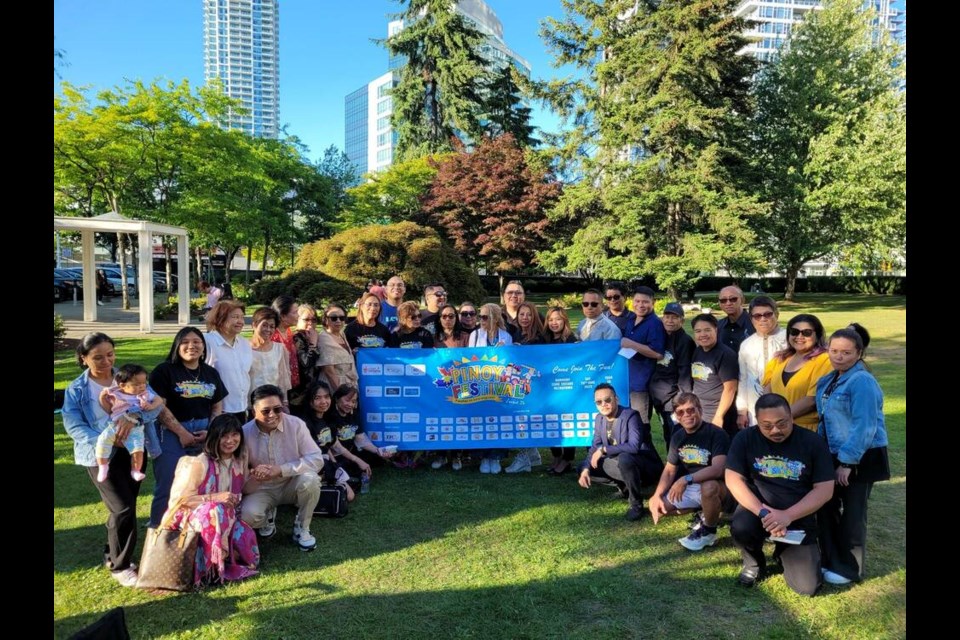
(165, 465)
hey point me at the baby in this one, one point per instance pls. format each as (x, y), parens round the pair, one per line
(127, 399)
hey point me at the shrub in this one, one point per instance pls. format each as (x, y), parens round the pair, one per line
(381, 251)
(566, 301)
(306, 285)
(58, 329)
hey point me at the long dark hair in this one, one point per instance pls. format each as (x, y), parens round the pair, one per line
(174, 356)
(457, 327)
(88, 343)
(223, 424)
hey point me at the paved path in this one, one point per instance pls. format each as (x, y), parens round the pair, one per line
(112, 320)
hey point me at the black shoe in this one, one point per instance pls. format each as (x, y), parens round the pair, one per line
(635, 512)
(750, 577)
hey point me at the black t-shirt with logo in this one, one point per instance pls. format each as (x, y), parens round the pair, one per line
(690, 452)
(419, 338)
(345, 428)
(360, 336)
(189, 393)
(781, 474)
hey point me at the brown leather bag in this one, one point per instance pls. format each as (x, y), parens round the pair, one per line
(168, 558)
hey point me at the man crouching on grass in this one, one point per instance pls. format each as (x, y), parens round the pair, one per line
(693, 476)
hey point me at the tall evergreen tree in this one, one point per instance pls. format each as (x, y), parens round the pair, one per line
(505, 111)
(440, 91)
(659, 122)
(830, 143)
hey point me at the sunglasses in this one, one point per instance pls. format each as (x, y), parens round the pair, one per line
(726, 300)
(468, 314)
(336, 318)
(590, 304)
(766, 315)
(448, 316)
(685, 412)
(484, 317)
(439, 294)
(615, 296)
(806, 333)
(415, 316)
(603, 401)
(268, 410)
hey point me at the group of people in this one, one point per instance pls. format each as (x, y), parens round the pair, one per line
(237, 427)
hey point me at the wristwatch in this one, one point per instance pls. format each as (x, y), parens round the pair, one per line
(847, 465)
(763, 513)
(688, 478)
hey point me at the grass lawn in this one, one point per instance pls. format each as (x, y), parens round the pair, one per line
(465, 555)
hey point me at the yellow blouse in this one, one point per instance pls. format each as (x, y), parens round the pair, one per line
(803, 383)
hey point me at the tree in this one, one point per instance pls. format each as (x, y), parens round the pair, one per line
(659, 124)
(505, 111)
(416, 253)
(391, 196)
(491, 204)
(829, 142)
(440, 90)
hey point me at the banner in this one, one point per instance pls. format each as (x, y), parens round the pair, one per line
(486, 397)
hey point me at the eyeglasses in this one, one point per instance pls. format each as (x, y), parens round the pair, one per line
(601, 401)
(806, 333)
(336, 318)
(685, 412)
(448, 316)
(779, 425)
(590, 304)
(615, 296)
(484, 317)
(513, 293)
(726, 300)
(766, 315)
(439, 294)
(268, 410)
(467, 314)
(311, 319)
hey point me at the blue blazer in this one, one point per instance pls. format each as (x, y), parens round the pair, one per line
(631, 433)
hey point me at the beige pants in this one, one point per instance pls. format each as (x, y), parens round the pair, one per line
(302, 490)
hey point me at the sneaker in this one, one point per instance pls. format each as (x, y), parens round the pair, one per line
(520, 464)
(296, 528)
(100, 304)
(126, 577)
(457, 464)
(305, 541)
(534, 456)
(270, 529)
(699, 538)
(485, 465)
(635, 512)
(138, 475)
(834, 578)
(749, 577)
(439, 463)
(495, 465)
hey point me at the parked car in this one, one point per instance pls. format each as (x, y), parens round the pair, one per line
(64, 282)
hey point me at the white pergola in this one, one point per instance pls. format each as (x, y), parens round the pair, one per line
(115, 223)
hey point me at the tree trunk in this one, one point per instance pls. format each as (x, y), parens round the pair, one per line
(199, 265)
(266, 249)
(673, 293)
(246, 273)
(791, 282)
(122, 255)
(168, 264)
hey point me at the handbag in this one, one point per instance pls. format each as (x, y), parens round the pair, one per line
(332, 503)
(168, 559)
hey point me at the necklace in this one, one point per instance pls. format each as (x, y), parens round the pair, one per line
(193, 374)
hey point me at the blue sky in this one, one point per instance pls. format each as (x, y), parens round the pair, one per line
(325, 50)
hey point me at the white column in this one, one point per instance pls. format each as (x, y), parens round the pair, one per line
(183, 281)
(145, 276)
(89, 277)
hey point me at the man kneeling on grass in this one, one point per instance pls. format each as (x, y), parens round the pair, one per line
(693, 477)
(622, 453)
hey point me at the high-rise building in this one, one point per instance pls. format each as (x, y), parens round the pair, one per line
(774, 19)
(241, 48)
(370, 139)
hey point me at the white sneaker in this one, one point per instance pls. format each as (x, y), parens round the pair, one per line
(270, 529)
(296, 527)
(520, 464)
(305, 541)
(494, 465)
(534, 455)
(834, 578)
(698, 540)
(485, 465)
(457, 464)
(439, 463)
(99, 304)
(127, 577)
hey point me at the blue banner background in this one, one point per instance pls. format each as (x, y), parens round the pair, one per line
(486, 397)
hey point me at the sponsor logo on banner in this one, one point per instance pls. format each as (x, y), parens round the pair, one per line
(411, 436)
(416, 370)
(372, 370)
(374, 392)
(393, 369)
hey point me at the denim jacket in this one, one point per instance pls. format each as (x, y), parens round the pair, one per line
(851, 418)
(80, 423)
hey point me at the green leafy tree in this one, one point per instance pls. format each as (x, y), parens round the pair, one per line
(659, 119)
(830, 143)
(440, 90)
(393, 195)
(416, 253)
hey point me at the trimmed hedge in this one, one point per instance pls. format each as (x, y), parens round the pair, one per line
(306, 285)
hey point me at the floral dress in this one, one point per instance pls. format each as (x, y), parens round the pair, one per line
(228, 546)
